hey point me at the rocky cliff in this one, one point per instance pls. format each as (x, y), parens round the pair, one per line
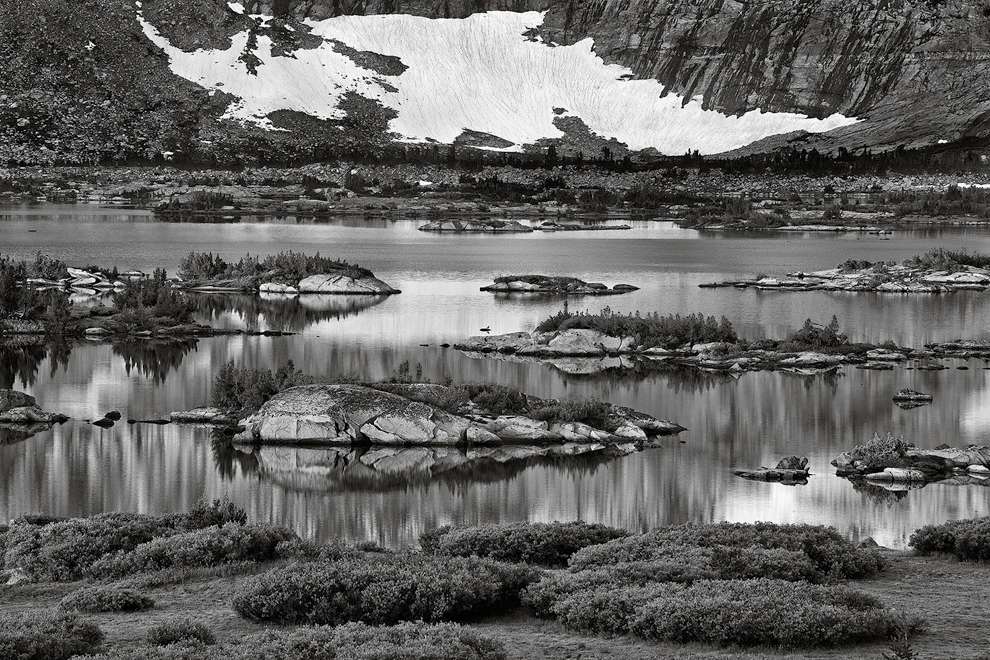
(91, 81)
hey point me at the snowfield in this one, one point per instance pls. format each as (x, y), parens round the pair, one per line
(479, 73)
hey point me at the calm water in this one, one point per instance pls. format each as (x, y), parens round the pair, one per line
(745, 422)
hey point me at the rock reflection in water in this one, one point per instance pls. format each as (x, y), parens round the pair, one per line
(390, 468)
(275, 311)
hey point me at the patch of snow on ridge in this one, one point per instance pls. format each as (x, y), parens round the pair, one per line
(478, 73)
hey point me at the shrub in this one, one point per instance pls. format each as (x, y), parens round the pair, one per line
(106, 599)
(684, 564)
(181, 630)
(141, 302)
(751, 612)
(246, 390)
(818, 337)
(291, 266)
(951, 260)
(651, 330)
(46, 635)
(968, 540)
(210, 546)
(536, 543)
(61, 551)
(881, 450)
(352, 641)
(830, 553)
(382, 590)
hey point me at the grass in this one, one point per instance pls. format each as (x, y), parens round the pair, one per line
(649, 330)
(290, 266)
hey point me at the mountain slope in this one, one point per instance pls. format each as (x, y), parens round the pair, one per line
(308, 79)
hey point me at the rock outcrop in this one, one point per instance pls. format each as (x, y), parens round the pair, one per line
(913, 465)
(557, 285)
(403, 415)
(488, 226)
(344, 282)
(20, 412)
(791, 470)
(879, 278)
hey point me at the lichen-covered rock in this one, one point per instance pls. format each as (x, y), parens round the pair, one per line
(339, 283)
(14, 399)
(21, 410)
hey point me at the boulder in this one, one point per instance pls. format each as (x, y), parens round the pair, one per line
(793, 463)
(275, 287)
(517, 428)
(344, 414)
(812, 359)
(897, 474)
(340, 283)
(13, 399)
(587, 342)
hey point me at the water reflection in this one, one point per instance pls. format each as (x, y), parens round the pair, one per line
(733, 422)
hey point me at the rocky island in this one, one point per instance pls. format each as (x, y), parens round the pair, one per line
(937, 271)
(287, 407)
(557, 285)
(597, 342)
(22, 417)
(889, 458)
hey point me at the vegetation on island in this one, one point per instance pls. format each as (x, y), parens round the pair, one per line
(287, 267)
(649, 330)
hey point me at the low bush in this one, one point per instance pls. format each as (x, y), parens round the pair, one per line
(61, 551)
(181, 630)
(650, 330)
(46, 635)
(950, 260)
(881, 450)
(968, 540)
(352, 641)
(682, 564)
(246, 390)
(106, 599)
(730, 612)
(383, 589)
(210, 546)
(535, 543)
(830, 553)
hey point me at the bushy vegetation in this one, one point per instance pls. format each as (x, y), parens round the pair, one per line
(290, 266)
(949, 202)
(20, 301)
(732, 612)
(818, 337)
(650, 330)
(968, 540)
(383, 589)
(496, 399)
(831, 554)
(144, 304)
(47, 635)
(244, 390)
(210, 546)
(181, 630)
(106, 599)
(881, 451)
(63, 551)
(950, 260)
(534, 543)
(352, 641)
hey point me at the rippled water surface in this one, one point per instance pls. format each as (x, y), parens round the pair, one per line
(744, 422)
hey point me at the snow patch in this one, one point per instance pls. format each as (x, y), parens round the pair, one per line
(478, 73)
(236, 7)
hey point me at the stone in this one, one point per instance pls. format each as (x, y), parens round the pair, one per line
(912, 396)
(897, 474)
(13, 399)
(104, 423)
(517, 428)
(812, 359)
(339, 283)
(113, 415)
(478, 436)
(629, 431)
(793, 463)
(275, 287)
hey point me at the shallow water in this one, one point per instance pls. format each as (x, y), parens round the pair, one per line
(79, 469)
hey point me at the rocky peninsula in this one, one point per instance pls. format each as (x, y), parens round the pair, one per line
(937, 271)
(553, 284)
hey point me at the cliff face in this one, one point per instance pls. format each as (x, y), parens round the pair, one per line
(917, 71)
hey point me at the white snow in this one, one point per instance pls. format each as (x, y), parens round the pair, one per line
(477, 73)
(236, 7)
